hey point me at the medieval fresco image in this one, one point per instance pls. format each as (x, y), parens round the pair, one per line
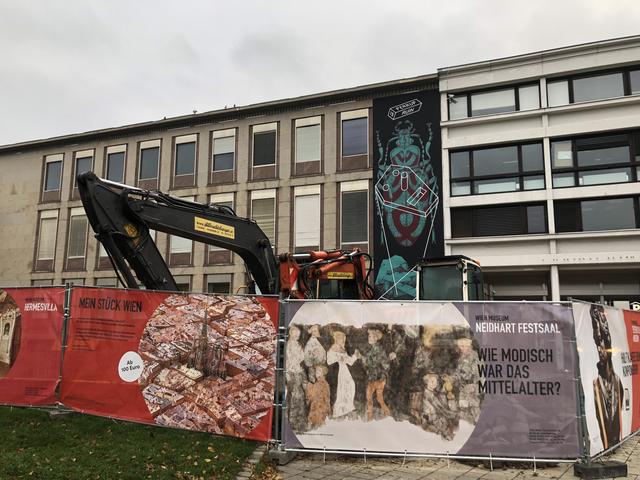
(9, 332)
(209, 363)
(425, 376)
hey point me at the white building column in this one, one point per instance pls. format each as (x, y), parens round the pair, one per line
(555, 283)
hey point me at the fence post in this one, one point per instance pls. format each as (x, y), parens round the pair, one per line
(65, 322)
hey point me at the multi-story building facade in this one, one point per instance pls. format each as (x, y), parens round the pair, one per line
(302, 168)
(540, 169)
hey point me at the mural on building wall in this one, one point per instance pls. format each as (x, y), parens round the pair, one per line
(407, 175)
(9, 332)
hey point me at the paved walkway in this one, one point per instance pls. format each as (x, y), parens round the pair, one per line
(355, 468)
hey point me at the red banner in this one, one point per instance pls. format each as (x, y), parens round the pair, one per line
(193, 361)
(30, 344)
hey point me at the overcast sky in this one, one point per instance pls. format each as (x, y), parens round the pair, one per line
(76, 65)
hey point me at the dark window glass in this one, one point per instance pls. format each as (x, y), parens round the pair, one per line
(603, 156)
(185, 158)
(354, 217)
(634, 80)
(83, 164)
(608, 214)
(457, 106)
(264, 148)
(218, 287)
(495, 161)
(459, 164)
(223, 161)
(567, 216)
(53, 171)
(498, 220)
(354, 137)
(493, 102)
(598, 87)
(536, 222)
(149, 163)
(115, 167)
(532, 157)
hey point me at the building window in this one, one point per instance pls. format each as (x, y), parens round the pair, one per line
(183, 282)
(46, 246)
(219, 283)
(491, 102)
(106, 282)
(116, 163)
(498, 169)
(596, 214)
(180, 248)
(74, 281)
(593, 86)
(354, 137)
(487, 221)
(595, 160)
(42, 282)
(149, 162)
(185, 158)
(52, 181)
(306, 223)
(224, 149)
(83, 164)
(264, 145)
(77, 240)
(216, 255)
(354, 214)
(308, 140)
(263, 211)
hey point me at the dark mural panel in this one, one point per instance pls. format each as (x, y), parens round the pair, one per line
(407, 174)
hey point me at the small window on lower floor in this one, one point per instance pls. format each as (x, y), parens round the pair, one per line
(183, 282)
(42, 282)
(106, 282)
(219, 283)
(74, 281)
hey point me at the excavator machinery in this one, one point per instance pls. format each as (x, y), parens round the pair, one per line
(121, 217)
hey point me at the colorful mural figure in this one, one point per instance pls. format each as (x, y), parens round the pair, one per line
(406, 194)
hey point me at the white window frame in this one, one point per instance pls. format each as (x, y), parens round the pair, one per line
(193, 138)
(143, 146)
(355, 186)
(47, 215)
(262, 128)
(58, 157)
(353, 115)
(77, 212)
(262, 194)
(216, 134)
(307, 122)
(307, 191)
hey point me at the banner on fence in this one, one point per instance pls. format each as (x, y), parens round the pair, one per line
(471, 379)
(608, 342)
(193, 361)
(30, 344)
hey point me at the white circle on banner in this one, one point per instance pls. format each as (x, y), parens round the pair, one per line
(130, 366)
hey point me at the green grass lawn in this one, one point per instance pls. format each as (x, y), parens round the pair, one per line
(78, 446)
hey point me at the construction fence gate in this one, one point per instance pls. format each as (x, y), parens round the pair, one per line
(534, 381)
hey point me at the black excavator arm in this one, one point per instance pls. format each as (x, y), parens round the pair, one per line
(121, 217)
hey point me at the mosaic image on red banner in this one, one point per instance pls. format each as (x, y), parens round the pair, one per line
(30, 344)
(192, 361)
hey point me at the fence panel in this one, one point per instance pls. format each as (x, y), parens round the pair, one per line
(608, 341)
(30, 344)
(432, 378)
(193, 361)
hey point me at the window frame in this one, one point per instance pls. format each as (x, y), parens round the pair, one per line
(271, 193)
(578, 201)
(186, 180)
(349, 187)
(115, 149)
(79, 155)
(633, 142)
(46, 215)
(516, 92)
(271, 127)
(523, 217)
(76, 262)
(626, 83)
(520, 174)
(51, 195)
(307, 191)
(147, 145)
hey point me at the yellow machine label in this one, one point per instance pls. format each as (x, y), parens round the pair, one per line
(214, 228)
(340, 275)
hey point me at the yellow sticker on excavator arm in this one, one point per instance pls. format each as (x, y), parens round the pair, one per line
(340, 275)
(214, 228)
